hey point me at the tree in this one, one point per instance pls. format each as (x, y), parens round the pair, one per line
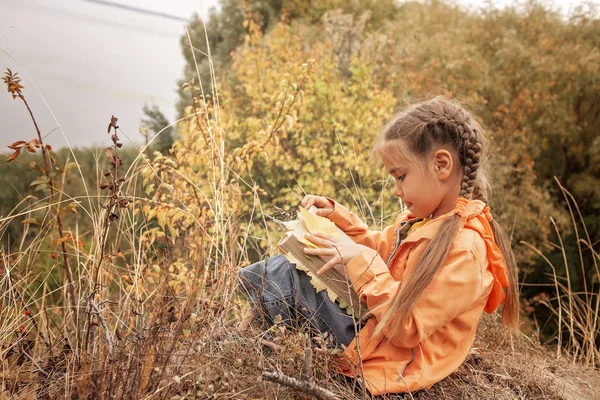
(157, 124)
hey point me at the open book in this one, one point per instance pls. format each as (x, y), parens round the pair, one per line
(333, 281)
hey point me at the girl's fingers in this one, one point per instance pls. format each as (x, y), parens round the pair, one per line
(328, 265)
(320, 240)
(326, 252)
(326, 237)
(329, 252)
(311, 200)
(304, 201)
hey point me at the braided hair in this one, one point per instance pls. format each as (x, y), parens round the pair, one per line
(450, 123)
(441, 121)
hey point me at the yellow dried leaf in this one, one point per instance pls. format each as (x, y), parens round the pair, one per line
(307, 242)
(315, 223)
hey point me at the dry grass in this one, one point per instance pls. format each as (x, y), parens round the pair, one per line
(577, 312)
(187, 347)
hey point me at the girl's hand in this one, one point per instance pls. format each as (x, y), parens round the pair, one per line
(339, 252)
(325, 207)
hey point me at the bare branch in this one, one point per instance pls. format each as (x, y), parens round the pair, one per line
(310, 388)
(104, 326)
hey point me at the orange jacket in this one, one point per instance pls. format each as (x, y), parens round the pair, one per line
(438, 335)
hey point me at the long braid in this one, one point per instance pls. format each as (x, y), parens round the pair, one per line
(471, 157)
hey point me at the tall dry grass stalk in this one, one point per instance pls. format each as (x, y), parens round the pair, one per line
(576, 312)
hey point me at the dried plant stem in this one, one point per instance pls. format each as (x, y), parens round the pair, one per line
(38, 368)
(114, 199)
(247, 319)
(279, 121)
(308, 387)
(272, 345)
(307, 372)
(558, 297)
(307, 384)
(113, 202)
(103, 240)
(107, 362)
(63, 245)
(570, 290)
(196, 113)
(590, 312)
(104, 326)
(576, 312)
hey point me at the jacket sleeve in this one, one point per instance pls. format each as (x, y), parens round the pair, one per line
(456, 287)
(354, 227)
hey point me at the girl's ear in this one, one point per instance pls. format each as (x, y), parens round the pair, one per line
(443, 164)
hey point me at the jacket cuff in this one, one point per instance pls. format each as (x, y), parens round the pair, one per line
(364, 267)
(340, 216)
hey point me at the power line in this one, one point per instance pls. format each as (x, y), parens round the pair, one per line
(137, 9)
(96, 18)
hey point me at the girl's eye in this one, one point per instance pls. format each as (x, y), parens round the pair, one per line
(401, 177)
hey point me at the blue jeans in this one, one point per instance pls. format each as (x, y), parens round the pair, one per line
(276, 287)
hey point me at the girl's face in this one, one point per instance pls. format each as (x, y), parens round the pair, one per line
(427, 187)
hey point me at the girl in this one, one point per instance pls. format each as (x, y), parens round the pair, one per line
(427, 278)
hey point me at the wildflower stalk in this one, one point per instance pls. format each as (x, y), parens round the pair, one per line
(14, 86)
(115, 200)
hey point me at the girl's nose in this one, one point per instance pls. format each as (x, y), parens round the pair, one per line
(397, 191)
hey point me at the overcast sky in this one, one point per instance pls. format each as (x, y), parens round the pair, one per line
(90, 60)
(94, 58)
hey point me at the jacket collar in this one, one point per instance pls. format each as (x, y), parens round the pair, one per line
(467, 209)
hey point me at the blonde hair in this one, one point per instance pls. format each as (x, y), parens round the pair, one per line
(441, 121)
